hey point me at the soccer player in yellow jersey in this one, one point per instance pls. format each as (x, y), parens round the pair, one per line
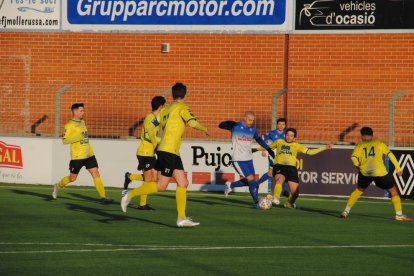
(284, 164)
(368, 158)
(76, 134)
(145, 151)
(174, 119)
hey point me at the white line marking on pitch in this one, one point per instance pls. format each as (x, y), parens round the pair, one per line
(173, 248)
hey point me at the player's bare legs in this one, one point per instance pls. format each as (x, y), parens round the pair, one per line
(294, 194)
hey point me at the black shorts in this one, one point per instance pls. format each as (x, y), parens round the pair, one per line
(167, 163)
(146, 163)
(76, 165)
(289, 172)
(383, 182)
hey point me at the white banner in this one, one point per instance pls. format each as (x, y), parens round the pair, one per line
(46, 161)
(30, 15)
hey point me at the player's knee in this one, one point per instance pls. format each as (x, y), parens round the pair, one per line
(72, 178)
(161, 188)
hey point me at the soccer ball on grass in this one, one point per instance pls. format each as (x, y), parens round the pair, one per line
(265, 203)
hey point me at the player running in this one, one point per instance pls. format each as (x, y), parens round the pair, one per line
(368, 158)
(169, 164)
(76, 134)
(145, 151)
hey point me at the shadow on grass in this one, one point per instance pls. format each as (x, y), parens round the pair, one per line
(211, 200)
(108, 217)
(87, 198)
(46, 197)
(318, 211)
(336, 213)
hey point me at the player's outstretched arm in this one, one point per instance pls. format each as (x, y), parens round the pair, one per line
(264, 145)
(196, 125)
(318, 150)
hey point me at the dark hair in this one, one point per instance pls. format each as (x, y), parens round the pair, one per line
(292, 130)
(156, 102)
(76, 106)
(283, 120)
(179, 90)
(367, 131)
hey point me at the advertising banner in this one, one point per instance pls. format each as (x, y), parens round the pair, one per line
(331, 173)
(178, 15)
(30, 15)
(405, 183)
(207, 166)
(147, 15)
(354, 14)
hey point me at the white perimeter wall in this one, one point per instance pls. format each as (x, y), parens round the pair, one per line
(46, 161)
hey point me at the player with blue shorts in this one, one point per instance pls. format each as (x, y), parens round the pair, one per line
(269, 138)
(243, 133)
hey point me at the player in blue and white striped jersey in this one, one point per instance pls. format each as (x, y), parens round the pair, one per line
(243, 133)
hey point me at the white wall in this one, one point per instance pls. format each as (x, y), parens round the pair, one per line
(46, 161)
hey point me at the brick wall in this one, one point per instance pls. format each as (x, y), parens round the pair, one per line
(333, 80)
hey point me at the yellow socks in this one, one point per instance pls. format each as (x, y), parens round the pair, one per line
(138, 177)
(143, 200)
(64, 181)
(278, 190)
(99, 186)
(396, 202)
(181, 200)
(353, 198)
(145, 189)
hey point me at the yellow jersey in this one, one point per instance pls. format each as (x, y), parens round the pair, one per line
(286, 152)
(173, 121)
(149, 138)
(76, 134)
(368, 157)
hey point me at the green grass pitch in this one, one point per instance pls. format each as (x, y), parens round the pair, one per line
(75, 235)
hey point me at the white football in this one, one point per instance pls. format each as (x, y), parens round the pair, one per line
(265, 203)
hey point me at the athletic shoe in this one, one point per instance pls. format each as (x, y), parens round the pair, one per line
(344, 214)
(273, 199)
(127, 180)
(106, 200)
(186, 222)
(55, 191)
(124, 192)
(125, 201)
(227, 188)
(145, 207)
(402, 218)
(287, 205)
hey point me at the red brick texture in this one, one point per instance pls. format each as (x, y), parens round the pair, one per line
(333, 80)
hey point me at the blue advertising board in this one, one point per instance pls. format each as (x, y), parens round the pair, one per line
(177, 12)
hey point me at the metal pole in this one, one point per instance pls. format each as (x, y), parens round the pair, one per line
(274, 105)
(391, 117)
(57, 108)
(167, 92)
